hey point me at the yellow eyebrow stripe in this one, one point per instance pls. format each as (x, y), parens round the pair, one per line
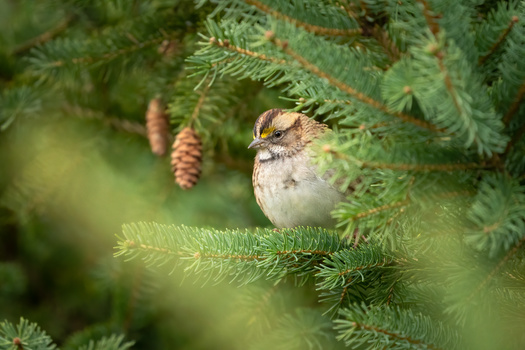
(267, 131)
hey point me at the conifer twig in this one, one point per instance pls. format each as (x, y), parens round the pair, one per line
(495, 270)
(439, 54)
(394, 336)
(307, 26)
(112, 54)
(383, 38)
(44, 37)
(409, 167)
(500, 40)
(304, 251)
(130, 245)
(199, 255)
(227, 45)
(351, 91)
(515, 104)
(364, 267)
(430, 17)
(381, 208)
(199, 105)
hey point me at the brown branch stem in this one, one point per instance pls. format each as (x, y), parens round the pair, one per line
(430, 17)
(199, 104)
(112, 54)
(381, 208)
(515, 104)
(411, 167)
(226, 45)
(364, 267)
(304, 251)
(393, 335)
(500, 40)
(307, 26)
(44, 37)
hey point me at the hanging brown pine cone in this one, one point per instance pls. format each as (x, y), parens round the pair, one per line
(186, 158)
(157, 125)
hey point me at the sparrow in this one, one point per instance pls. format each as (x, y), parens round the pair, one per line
(287, 185)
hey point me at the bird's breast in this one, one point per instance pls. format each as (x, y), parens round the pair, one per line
(290, 193)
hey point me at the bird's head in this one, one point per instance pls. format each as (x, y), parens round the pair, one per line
(277, 133)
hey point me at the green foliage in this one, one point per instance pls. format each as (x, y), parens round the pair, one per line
(112, 343)
(24, 335)
(425, 99)
(394, 328)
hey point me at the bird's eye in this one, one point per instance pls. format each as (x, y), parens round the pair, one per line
(278, 134)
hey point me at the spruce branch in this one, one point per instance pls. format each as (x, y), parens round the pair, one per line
(495, 270)
(244, 255)
(407, 167)
(384, 207)
(497, 215)
(348, 266)
(225, 44)
(135, 45)
(514, 108)
(430, 17)
(500, 40)
(446, 77)
(388, 326)
(199, 104)
(25, 336)
(113, 342)
(44, 37)
(350, 90)
(315, 29)
(457, 100)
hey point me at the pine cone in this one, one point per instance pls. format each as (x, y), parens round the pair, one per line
(157, 125)
(186, 158)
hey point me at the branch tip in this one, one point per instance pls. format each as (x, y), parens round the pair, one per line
(18, 343)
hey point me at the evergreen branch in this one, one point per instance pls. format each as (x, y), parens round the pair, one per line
(383, 38)
(199, 104)
(496, 269)
(351, 91)
(348, 266)
(396, 337)
(44, 37)
(376, 210)
(497, 215)
(19, 102)
(430, 18)
(408, 167)
(387, 326)
(500, 40)
(514, 106)
(243, 255)
(112, 342)
(24, 336)
(306, 26)
(113, 54)
(448, 81)
(458, 100)
(131, 245)
(518, 135)
(227, 45)
(198, 255)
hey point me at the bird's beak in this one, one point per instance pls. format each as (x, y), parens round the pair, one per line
(256, 143)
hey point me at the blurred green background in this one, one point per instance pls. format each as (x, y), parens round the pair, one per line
(75, 165)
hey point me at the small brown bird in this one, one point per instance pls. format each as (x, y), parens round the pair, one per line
(287, 186)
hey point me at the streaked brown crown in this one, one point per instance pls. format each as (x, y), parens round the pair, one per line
(278, 119)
